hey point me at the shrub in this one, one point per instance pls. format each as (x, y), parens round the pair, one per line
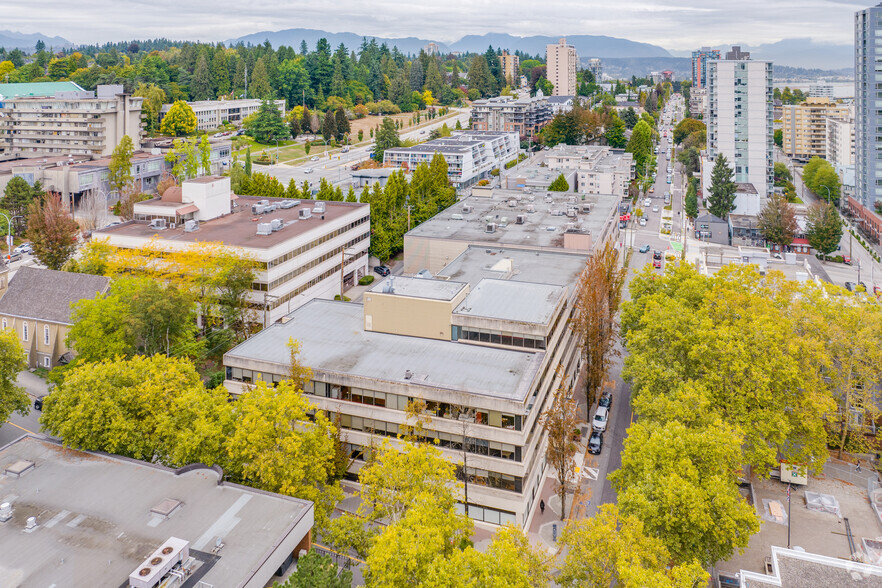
(364, 281)
(494, 172)
(484, 182)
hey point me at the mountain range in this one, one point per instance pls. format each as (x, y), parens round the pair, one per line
(586, 45)
(796, 53)
(26, 42)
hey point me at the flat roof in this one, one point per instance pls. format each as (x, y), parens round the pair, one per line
(333, 340)
(419, 288)
(95, 525)
(512, 301)
(37, 89)
(7, 167)
(239, 229)
(560, 268)
(542, 228)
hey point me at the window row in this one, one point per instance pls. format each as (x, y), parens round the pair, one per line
(498, 337)
(326, 237)
(260, 286)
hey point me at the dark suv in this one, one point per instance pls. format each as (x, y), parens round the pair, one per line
(382, 270)
(605, 400)
(595, 442)
(656, 254)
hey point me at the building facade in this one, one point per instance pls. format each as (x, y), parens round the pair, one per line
(470, 155)
(867, 115)
(304, 249)
(599, 170)
(595, 66)
(524, 115)
(511, 68)
(805, 127)
(840, 149)
(739, 117)
(822, 89)
(211, 114)
(561, 62)
(700, 60)
(69, 123)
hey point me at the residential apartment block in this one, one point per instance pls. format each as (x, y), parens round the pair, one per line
(739, 118)
(470, 155)
(511, 68)
(36, 306)
(599, 170)
(822, 89)
(211, 114)
(868, 114)
(698, 103)
(304, 249)
(840, 147)
(561, 62)
(805, 127)
(524, 115)
(480, 344)
(700, 60)
(595, 66)
(73, 123)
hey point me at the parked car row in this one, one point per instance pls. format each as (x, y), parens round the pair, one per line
(599, 423)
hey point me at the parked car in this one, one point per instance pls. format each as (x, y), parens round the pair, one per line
(850, 286)
(345, 150)
(38, 402)
(308, 170)
(669, 179)
(23, 248)
(657, 263)
(647, 202)
(15, 256)
(600, 419)
(657, 254)
(606, 400)
(382, 270)
(643, 222)
(314, 158)
(595, 442)
(645, 248)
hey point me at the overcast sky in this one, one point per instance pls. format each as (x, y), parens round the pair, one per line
(672, 24)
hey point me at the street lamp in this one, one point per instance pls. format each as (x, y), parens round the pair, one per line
(9, 232)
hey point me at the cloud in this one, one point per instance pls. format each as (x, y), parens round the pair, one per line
(675, 24)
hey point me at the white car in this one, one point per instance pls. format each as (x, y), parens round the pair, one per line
(647, 202)
(23, 248)
(308, 170)
(600, 419)
(314, 158)
(643, 222)
(655, 209)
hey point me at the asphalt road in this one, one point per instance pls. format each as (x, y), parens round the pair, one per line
(18, 425)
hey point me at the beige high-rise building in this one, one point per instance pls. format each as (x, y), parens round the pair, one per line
(805, 127)
(69, 123)
(511, 65)
(561, 63)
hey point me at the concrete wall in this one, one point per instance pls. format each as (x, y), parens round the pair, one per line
(403, 315)
(431, 254)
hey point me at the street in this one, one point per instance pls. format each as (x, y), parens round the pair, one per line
(18, 425)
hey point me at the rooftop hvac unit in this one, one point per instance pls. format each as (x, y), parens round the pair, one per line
(548, 198)
(289, 203)
(571, 199)
(466, 208)
(531, 208)
(555, 212)
(531, 198)
(277, 224)
(263, 202)
(512, 203)
(503, 222)
(257, 209)
(571, 227)
(571, 212)
(586, 208)
(456, 216)
(269, 209)
(172, 225)
(190, 226)
(521, 219)
(158, 223)
(550, 228)
(150, 573)
(319, 208)
(305, 213)
(264, 228)
(491, 228)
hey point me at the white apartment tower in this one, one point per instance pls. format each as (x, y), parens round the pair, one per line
(739, 117)
(561, 62)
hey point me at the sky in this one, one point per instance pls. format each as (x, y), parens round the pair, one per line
(676, 25)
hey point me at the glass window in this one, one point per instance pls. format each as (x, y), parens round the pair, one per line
(321, 389)
(379, 399)
(24, 331)
(46, 335)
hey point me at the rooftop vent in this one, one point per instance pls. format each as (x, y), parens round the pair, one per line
(550, 228)
(289, 204)
(277, 224)
(159, 563)
(586, 208)
(264, 229)
(31, 523)
(270, 208)
(571, 199)
(19, 468)
(5, 512)
(521, 219)
(491, 228)
(555, 212)
(456, 216)
(408, 374)
(512, 203)
(305, 213)
(531, 208)
(263, 202)
(571, 212)
(257, 209)
(548, 198)
(190, 226)
(531, 198)
(503, 222)
(166, 507)
(319, 208)
(466, 208)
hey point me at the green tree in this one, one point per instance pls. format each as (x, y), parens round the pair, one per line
(329, 126)
(387, 138)
(120, 166)
(144, 408)
(559, 184)
(545, 86)
(691, 199)
(777, 221)
(315, 570)
(559, 422)
(277, 446)
(823, 227)
(248, 161)
(139, 316)
(154, 98)
(640, 145)
(686, 127)
(180, 120)
(52, 231)
(260, 84)
(778, 137)
(267, 125)
(341, 123)
(17, 198)
(782, 174)
(721, 196)
(201, 87)
(629, 115)
(691, 160)
(294, 127)
(13, 397)
(615, 134)
(614, 549)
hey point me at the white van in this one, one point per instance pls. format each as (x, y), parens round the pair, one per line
(600, 419)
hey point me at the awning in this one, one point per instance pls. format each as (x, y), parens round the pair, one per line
(187, 210)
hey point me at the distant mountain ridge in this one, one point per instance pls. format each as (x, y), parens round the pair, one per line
(10, 40)
(803, 53)
(586, 45)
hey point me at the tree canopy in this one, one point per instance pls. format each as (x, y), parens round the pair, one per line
(777, 221)
(13, 397)
(721, 195)
(180, 120)
(52, 231)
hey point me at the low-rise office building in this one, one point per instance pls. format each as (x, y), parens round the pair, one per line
(805, 127)
(82, 518)
(524, 115)
(211, 114)
(470, 155)
(480, 344)
(304, 249)
(600, 170)
(75, 122)
(36, 305)
(513, 220)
